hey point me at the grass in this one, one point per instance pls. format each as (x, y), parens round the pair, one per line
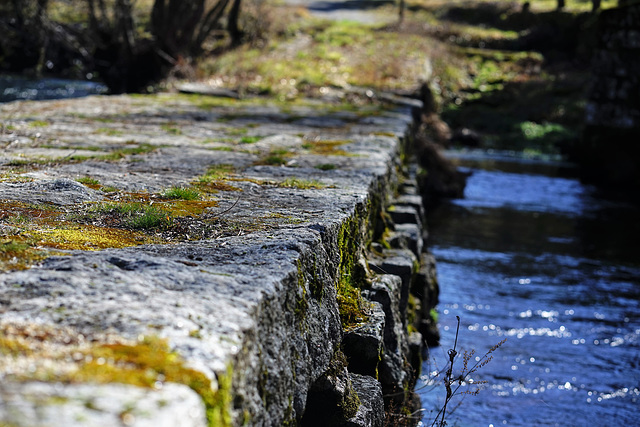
(217, 172)
(137, 215)
(181, 193)
(303, 184)
(493, 69)
(336, 54)
(88, 181)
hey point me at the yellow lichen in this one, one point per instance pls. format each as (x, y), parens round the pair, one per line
(149, 362)
(89, 237)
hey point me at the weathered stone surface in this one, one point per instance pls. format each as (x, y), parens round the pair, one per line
(393, 369)
(256, 303)
(363, 344)
(405, 214)
(371, 410)
(407, 236)
(61, 191)
(399, 262)
(46, 404)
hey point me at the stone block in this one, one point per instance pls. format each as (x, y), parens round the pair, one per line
(363, 345)
(371, 410)
(405, 214)
(412, 200)
(398, 262)
(407, 236)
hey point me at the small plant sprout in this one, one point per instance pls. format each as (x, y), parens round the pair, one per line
(302, 184)
(453, 384)
(181, 193)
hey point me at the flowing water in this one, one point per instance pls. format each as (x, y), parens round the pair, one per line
(532, 255)
(14, 88)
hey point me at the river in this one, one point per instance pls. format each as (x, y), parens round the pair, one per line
(14, 88)
(532, 255)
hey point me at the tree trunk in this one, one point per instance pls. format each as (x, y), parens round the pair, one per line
(232, 23)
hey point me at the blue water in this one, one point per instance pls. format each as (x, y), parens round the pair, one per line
(532, 256)
(14, 88)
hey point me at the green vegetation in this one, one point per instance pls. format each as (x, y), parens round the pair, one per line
(181, 193)
(276, 157)
(89, 182)
(38, 123)
(171, 128)
(352, 276)
(18, 255)
(218, 172)
(137, 215)
(327, 147)
(303, 184)
(216, 179)
(326, 166)
(337, 54)
(250, 139)
(109, 131)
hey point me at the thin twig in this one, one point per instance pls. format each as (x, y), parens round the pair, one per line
(227, 210)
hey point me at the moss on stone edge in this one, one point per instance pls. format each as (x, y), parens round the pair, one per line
(350, 402)
(351, 274)
(148, 363)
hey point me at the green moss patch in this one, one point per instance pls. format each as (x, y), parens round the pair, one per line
(326, 147)
(181, 193)
(17, 254)
(216, 179)
(303, 184)
(147, 363)
(352, 277)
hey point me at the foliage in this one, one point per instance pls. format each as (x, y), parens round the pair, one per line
(181, 193)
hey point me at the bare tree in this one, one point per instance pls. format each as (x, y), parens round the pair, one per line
(127, 59)
(179, 29)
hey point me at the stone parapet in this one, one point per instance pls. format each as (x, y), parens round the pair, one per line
(122, 297)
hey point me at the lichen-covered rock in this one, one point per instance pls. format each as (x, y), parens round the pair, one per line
(371, 410)
(363, 344)
(394, 370)
(398, 262)
(61, 191)
(245, 315)
(407, 236)
(47, 404)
